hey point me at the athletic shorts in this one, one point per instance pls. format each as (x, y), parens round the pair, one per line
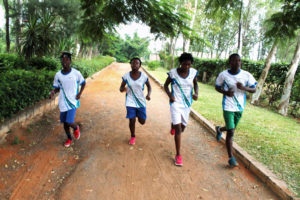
(179, 114)
(133, 112)
(68, 116)
(232, 119)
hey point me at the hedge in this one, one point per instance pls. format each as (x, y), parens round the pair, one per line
(24, 83)
(274, 82)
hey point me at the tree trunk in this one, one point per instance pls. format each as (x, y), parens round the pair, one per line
(288, 83)
(264, 74)
(240, 31)
(188, 41)
(5, 2)
(18, 24)
(204, 77)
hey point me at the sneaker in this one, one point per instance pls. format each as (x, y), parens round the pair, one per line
(172, 131)
(68, 143)
(178, 160)
(76, 133)
(232, 162)
(132, 141)
(219, 133)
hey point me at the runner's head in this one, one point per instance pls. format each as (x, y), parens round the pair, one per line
(66, 59)
(234, 61)
(135, 64)
(186, 60)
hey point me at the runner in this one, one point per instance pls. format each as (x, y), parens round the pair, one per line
(183, 80)
(135, 99)
(67, 81)
(233, 83)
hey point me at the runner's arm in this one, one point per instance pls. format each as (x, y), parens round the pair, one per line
(149, 90)
(247, 89)
(81, 90)
(195, 95)
(122, 87)
(166, 87)
(52, 93)
(227, 93)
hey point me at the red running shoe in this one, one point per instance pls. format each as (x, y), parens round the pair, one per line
(76, 133)
(172, 131)
(68, 143)
(178, 160)
(132, 141)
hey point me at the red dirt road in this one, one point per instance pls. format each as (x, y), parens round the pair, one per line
(101, 165)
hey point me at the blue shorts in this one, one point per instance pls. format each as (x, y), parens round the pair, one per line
(133, 112)
(68, 116)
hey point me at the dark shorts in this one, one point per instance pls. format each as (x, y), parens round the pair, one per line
(68, 116)
(136, 112)
(232, 119)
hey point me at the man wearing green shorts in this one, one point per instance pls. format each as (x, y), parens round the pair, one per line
(233, 83)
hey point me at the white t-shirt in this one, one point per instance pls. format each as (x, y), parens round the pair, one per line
(69, 88)
(134, 95)
(182, 88)
(227, 80)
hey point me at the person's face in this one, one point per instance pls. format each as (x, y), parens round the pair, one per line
(186, 64)
(65, 61)
(135, 65)
(235, 62)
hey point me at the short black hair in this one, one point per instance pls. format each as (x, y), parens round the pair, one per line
(186, 56)
(136, 58)
(233, 56)
(68, 54)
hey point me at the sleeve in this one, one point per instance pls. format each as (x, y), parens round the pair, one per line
(124, 77)
(251, 81)
(146, 78)
(55, 82)
(220, 80)
(170, 74)
(196, 73)
(80, 78)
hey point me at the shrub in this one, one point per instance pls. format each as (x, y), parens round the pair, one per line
(154, 64)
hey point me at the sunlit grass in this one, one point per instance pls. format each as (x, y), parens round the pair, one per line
(271, 138)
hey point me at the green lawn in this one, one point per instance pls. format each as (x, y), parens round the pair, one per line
(271, 138)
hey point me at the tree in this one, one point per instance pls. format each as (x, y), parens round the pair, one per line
(101, 17)
(288, 83)
(6, 7)
(280, 26)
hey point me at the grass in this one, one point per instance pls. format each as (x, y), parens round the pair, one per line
(271, 138)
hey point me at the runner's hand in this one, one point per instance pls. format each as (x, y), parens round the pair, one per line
(195, 97)
(148, 97)
(172, 99)
(240, 86)
(52, 93)
(78, 96)
(229, 92)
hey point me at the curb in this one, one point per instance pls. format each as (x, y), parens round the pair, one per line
(39, 108)
(278, 186)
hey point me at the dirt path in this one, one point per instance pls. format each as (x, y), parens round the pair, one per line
(101, 165)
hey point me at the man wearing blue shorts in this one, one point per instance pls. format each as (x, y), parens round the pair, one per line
(135, 99)
(67, 81)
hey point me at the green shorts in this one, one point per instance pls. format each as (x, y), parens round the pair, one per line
(232, 119)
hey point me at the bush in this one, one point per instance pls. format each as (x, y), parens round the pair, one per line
(89, 67)
(22, 85)
(154, 64)
(20, 88)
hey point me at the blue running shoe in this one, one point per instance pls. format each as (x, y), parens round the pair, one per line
(219, 133)
(232, 162)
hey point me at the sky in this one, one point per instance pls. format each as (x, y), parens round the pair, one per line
(2, 20)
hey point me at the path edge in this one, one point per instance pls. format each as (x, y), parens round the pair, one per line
(39, 108)
(277, 185)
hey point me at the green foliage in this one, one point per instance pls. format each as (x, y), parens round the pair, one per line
(89, 67)
(20, 88)
(153, 64)
(23, 83)
(124, 50)
(273, 84)
(101, 17)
